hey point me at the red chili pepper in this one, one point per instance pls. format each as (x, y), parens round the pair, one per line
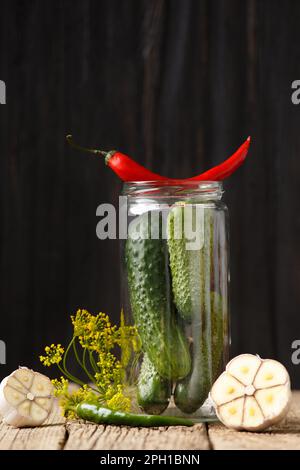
(226, 168)
(128, 170)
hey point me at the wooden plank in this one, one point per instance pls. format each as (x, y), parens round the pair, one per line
(50, 436)
(56, 434)
(285, 436)
(89, 436)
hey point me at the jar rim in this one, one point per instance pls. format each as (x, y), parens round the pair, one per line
(209, 184)
(212, 189)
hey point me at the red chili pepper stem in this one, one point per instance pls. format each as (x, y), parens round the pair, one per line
(107, 155)
(123, 166)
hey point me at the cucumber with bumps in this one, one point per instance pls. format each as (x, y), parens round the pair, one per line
(191, 392)
(153, 392)
(185, 263)
(192, 274)
(150, 297)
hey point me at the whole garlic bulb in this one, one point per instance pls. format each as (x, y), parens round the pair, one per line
(26, 398)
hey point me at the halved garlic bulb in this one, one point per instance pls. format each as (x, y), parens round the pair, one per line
(26, 398)
(252, 394)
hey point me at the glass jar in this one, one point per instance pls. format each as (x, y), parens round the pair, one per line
(175, 291)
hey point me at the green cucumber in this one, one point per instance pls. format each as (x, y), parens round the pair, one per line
(184, 263)
(153, 391)
(191, 392)
(150, 298)
(197, 305)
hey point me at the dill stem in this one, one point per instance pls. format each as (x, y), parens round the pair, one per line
(90, 376)
(83, 367)
(70, 376)
(64, 368)
(93, 362)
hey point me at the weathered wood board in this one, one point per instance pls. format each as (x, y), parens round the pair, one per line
(58, 434)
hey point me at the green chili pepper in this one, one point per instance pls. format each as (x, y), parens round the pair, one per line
(100, 415)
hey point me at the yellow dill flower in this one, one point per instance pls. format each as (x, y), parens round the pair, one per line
(128, 340)
(111, 390)
(119, 402)
(94, 332)
(108, 335)
(54, 355)
(83, 324)
(61, 386)
(69, 399)
(110, 371)
(80, 320)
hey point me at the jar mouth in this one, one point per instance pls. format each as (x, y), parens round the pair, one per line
(174, 188)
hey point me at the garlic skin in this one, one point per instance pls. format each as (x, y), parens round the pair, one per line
(252, 394)
(26, 398)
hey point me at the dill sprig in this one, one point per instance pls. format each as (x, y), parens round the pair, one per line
(93, 344)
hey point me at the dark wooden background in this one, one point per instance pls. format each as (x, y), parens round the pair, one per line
(178, 84)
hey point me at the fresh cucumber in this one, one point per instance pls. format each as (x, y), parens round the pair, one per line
(202, 308)
(191, 392)
(185, 263)
(153, 391)
(150, 297)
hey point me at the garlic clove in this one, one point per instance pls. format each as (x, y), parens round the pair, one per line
(38, 413)
(232, 413)
(24, 376)
(273, 401)
(270, 373)
(25, 408)
(244, 367)
(13, 396)
(253, 417)
(40, 385)
(226, 388)
(44, 403)
(16, 385)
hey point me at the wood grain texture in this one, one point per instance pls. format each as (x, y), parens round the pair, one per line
(95, 437)
(57, 434)
(50, 436)
(177, 84)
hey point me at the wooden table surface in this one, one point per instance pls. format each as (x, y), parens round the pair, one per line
(58, 434)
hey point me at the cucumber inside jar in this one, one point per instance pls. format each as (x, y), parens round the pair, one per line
(198, 305)
(206, 351)
(153, 311)
(153, 391)
(178, 314)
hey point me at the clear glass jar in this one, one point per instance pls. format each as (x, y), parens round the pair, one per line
(175, 291)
